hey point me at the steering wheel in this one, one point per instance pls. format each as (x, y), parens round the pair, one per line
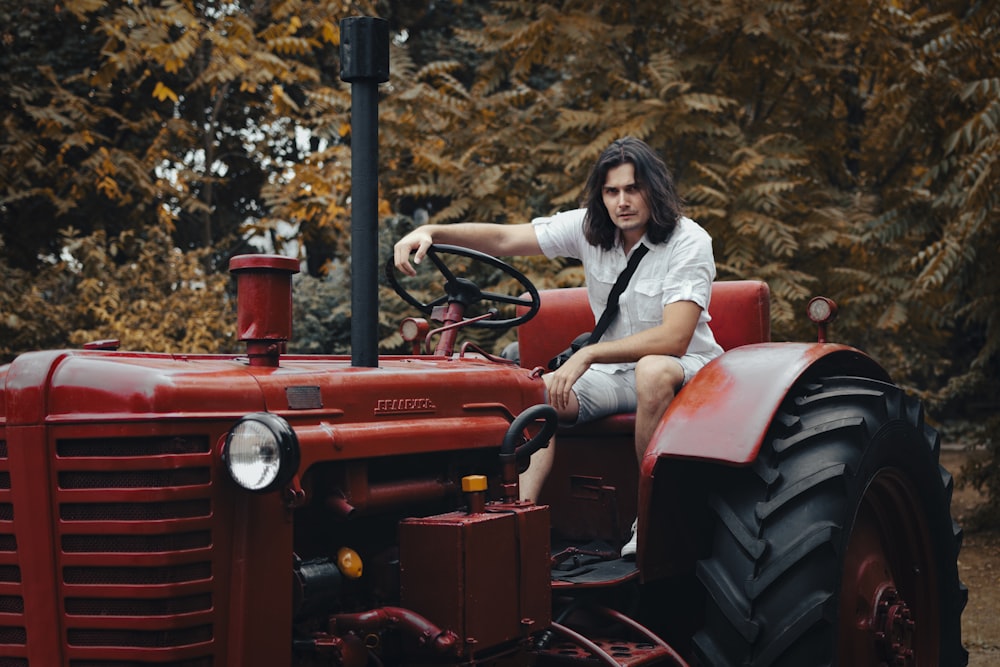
(466, 292)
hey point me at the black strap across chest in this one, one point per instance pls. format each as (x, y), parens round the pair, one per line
(611, 310)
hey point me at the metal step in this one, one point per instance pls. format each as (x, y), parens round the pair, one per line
(631, 646)
(598, 651)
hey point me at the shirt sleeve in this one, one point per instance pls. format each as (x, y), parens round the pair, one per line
(561, 235)
(691, 269)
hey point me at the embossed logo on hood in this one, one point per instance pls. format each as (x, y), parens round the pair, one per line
(403, 405)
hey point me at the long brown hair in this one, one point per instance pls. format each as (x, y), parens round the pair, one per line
(654, 182)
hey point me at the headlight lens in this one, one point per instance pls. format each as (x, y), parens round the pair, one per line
(821, 310)
(261, 452)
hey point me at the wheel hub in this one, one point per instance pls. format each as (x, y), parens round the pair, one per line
(893, 627)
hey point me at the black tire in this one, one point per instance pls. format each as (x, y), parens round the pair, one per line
(837, 546)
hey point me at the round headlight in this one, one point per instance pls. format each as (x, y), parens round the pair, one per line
(261, 452)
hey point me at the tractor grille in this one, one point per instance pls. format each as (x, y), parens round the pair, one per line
(135, 543)
(12, 632)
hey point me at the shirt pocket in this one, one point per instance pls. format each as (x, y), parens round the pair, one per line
(600, 281)
(649, 300)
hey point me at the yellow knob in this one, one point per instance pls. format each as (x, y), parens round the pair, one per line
(474, 483)
(349, 563)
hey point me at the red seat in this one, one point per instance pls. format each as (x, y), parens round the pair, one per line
(740, 310)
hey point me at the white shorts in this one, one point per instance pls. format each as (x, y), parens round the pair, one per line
(601, 394)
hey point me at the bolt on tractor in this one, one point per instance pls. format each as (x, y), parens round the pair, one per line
(266, 509)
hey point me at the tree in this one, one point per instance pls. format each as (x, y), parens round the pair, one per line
(136, 288)
(942, 216)
(195, 109)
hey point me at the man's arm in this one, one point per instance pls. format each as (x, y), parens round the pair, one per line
(491, 238)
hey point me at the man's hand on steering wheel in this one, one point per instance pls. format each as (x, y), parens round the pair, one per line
(418, 241)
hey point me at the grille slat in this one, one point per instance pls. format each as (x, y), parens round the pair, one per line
(137, 479)
(187, 509)
(197, 662)
(138, 607)
(13, 635)
(137, 576)
(131, 447)
(136, 543)
(140, 638)
(11, 604)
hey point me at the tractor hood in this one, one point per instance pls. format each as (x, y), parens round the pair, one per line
(70, 386)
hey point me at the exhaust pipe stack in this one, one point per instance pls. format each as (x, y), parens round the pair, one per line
(364, 63)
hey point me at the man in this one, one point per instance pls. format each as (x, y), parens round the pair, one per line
(660, 337)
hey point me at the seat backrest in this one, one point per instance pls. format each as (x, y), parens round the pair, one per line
(740, 311)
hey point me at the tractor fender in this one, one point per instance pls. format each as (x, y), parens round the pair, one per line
(724, 412)
(723, 415)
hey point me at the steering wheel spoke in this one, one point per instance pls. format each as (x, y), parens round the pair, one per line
(506, 298)
(441, 266)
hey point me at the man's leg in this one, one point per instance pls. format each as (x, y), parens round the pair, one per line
(531, 480)
(657, 379)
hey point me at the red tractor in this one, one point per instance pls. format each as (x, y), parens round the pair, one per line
(275, 510)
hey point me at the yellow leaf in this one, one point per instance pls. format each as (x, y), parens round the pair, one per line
(162, 93)
(331, 33)
(294, 24)
(345, 129)
(109, 187)
(80, 7)
(282, 102)
(173, 65)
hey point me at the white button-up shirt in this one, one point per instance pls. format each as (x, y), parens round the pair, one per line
(680, 269)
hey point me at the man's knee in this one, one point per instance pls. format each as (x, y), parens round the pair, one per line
(657, 378)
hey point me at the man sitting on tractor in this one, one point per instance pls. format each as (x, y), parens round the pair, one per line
(660, 336)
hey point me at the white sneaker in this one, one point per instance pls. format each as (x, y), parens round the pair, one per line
(628, 551)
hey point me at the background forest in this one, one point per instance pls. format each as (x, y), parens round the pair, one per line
(849, 148)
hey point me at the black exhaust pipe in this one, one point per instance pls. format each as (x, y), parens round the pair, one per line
(364, 63)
